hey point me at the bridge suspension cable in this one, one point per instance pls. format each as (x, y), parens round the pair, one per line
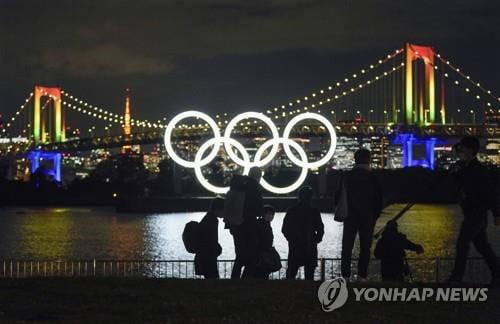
(85, 108)
(334, 86)
(109, 119)
(89, 112)
(42, 109)
(11, 121)
(346, 92)
(473, 100)
(467, 77)
(103, 114)
(468, 91)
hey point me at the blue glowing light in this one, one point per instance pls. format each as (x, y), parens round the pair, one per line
(409, 142)
(54, 169)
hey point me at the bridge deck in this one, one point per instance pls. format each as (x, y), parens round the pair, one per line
(194, 134)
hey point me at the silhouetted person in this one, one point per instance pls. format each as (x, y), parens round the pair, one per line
(217, 168)
(303, 229)
(364, 203)
(245, 235)
(390, 249)
(478, 193)
(264, 242)
(205, 260)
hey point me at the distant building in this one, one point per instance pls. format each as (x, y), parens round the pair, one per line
(81, 165)
(151, 161)
(343, 158)
(492, 118)
(492, 153)
(379, 146)
(384, 154)
(444, 157)
(18, 168)
(394, 156)
(493, 150)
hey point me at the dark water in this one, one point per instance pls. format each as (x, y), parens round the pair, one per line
(87, 233)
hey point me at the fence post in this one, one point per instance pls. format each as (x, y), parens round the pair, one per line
(94, 267)
(322, 269)
(437, 269)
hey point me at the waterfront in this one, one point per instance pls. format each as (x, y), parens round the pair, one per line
(101, 233)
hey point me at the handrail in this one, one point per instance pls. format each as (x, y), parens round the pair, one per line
(423, 269)
(218, 260)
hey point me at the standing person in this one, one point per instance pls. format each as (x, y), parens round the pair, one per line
(208, 247)
(245, 234)
(265, 248)
(390, 249)
(363, 201)
(303, 229)
(478, 193)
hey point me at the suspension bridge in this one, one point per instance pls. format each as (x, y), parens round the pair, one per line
(413, 95)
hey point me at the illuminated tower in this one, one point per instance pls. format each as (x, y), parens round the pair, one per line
(420, 102)
(420, 106)
(127, 128)
(47, 125)
(52, 107)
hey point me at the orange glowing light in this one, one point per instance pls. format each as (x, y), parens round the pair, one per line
(425, 53)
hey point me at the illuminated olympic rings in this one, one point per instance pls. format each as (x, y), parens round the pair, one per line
(245, 161)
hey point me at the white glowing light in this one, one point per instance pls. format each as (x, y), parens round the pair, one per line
(168, 137)
(254, 115)
(216, 142)
(245, 161)
(333, 140)
(303, 157)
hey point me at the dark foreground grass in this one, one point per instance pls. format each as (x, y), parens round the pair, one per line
(200, 301)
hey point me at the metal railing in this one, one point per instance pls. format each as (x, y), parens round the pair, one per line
(423, 269)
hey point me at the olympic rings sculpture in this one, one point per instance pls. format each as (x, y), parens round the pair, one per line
(245, 161)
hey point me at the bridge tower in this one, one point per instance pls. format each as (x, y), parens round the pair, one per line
(48, 120)
(420, 100)
(56, 125)
(420, 105)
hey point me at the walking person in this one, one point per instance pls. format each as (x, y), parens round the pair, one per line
(208, 247)
(478, 194)
(303, 229)
(390, 249)
(361, 197)
(244, 230)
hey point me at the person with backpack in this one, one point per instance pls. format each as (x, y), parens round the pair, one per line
(303, 229)
(269, 259)
(358, 205)
(244, 204)
(390, 249)
(207, 245)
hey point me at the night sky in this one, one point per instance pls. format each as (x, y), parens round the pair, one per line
(223, 55)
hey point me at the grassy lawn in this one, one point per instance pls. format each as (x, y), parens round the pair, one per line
(200, 301)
